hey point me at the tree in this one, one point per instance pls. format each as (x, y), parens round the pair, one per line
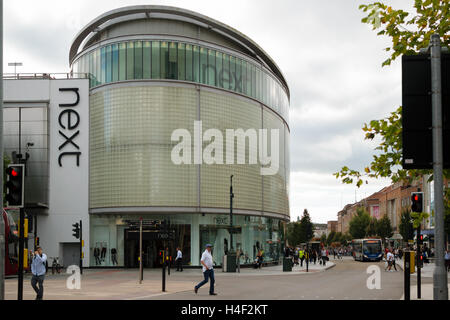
(359, 224)
(409, 34)
(405, 227)
(293, 233)
(306, 228)
(384, 228)
(323, 239)
(331, 237)
(372, 227)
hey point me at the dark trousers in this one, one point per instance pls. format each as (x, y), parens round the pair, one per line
(39, 291)
(179, 264)
(301, 261)
(208, 274)
(324, 260)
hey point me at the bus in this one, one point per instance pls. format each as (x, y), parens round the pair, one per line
(367, 249)
(11, 245)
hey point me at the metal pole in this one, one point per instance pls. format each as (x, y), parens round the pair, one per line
(231, 213)
(407, 275)
(2, 225)
(140, 253)
(81, 247)
(440, 289)
(419, 277)
(21, 247)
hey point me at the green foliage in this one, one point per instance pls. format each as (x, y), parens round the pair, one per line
(306, 227)
(384, 228)
(331, 237)
(372, 227)
(301, 231)
(406, 228)
(359, 224)
(408, 34)
(323, 239)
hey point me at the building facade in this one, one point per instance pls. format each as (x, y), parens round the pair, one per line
(155, 70)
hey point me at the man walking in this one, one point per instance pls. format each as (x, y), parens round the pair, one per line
(324, 256)
(38, 271)
(208, 271)
(179, 260)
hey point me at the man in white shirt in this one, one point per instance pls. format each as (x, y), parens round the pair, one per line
(390, 260)
(208, 271)
(179, 260)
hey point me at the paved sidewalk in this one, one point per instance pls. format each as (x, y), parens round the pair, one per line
(123, 284)
(426, 272)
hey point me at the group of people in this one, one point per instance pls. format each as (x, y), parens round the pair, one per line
(300, 255)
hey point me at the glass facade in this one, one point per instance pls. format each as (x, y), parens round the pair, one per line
(114, 244)
(131, 127)
(134, 60)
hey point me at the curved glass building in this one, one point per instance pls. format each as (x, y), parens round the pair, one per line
(156, 69)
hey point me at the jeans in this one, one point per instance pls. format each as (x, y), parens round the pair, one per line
(207, 274)
(39, 291)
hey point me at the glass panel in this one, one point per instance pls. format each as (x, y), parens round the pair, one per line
(244, 77)
(99, 66)
(91, 69)
(164, 60)
(253, 81)
(156, 61)
(238, 85)
(225, 78)
(173, 61)
(108, 64)
(122, 61)
(219, 69)
(146, 60)
(249, 79)
(181, 61)
(196, 64)
(232, 73)
(203, 65)
(103, 61)
(211, 67)
(115, 62)
(137, 60)
(189, 57)
(130, 60)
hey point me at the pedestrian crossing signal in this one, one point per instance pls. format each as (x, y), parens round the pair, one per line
(14, 186)
(417, 202)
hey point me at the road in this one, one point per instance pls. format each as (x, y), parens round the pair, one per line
(347, 280)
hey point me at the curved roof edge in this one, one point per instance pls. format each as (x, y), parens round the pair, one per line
(148, 9)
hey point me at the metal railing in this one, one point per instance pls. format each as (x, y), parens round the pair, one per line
(47, 76)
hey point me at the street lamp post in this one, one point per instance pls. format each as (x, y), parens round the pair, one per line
(231, 213)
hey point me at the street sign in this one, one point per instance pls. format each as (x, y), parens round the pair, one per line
(416, 111)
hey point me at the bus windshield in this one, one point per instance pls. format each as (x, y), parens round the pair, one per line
(372, 247)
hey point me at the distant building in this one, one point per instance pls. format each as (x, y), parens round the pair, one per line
(320, 229)
(331, 227)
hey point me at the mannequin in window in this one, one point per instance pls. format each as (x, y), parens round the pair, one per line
(97, 255)
(114, 256)
(103, 252)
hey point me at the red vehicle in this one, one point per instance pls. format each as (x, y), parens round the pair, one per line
(11, 245)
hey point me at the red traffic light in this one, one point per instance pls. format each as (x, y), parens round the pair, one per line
(421, 237)
(416, 197)
(421, 257)
(14, 173)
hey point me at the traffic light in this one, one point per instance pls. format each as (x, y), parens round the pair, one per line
(161, 256)
(421, 239)
(76, 230)
(417, 202)
(420, 262)
(14, 186)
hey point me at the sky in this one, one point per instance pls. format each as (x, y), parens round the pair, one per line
(332, 63)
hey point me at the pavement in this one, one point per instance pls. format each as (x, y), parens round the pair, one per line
(123, 284)
(426, 287)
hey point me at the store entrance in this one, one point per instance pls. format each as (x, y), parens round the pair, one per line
(150, 248)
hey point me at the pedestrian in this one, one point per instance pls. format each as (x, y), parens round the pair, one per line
(389, 259)
(447, 260)
(324, 256)
(314, 256)
(179, 260)
(393, 261)
(301, 255)
(334, 253)
(38, 270)
(208, 271)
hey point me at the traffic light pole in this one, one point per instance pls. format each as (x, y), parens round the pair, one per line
(440, 289)
(419, 266)
(21, 247)
(81, 247)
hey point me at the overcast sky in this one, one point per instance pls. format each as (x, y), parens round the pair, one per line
(332, 63)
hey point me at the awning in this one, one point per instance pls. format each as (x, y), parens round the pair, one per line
(396, 236)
